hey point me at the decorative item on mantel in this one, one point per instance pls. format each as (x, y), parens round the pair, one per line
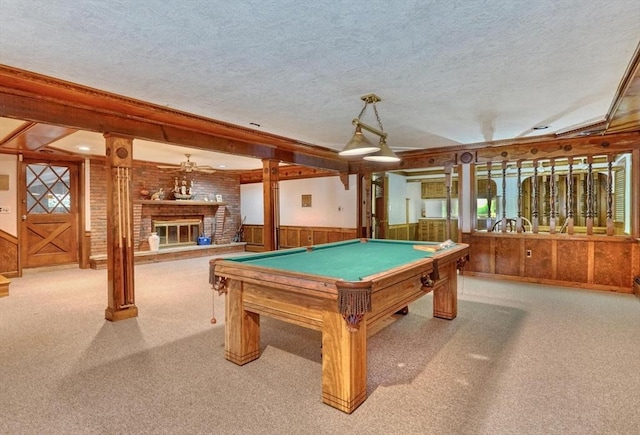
(144, 193)
(159, 195)
(183, 191)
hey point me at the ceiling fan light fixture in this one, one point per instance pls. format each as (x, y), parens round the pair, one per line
(384, 155)
(189, 167)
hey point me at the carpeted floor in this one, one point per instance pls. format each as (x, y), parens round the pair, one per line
(518, 359)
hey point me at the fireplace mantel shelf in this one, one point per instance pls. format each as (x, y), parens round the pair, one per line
(177, 202)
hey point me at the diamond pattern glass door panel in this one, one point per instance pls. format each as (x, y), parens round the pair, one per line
(48, 189)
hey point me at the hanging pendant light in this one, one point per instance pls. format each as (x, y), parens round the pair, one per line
(360, 145)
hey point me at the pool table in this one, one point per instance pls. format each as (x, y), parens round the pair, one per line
(342, 289)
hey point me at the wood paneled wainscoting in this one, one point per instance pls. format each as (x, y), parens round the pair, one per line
(294, 237)
(252, 235)
(9, 255)
(598, 263)
(403, 232)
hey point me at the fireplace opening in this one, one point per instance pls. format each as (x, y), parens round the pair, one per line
(177, 232)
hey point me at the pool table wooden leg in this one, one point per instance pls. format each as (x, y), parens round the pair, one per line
(242, 330)
(445, 293)
(344, 363)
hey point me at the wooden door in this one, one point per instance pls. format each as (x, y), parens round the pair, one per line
(49, 203)
(380, 187)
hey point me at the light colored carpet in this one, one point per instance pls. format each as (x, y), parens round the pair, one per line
(518, 359)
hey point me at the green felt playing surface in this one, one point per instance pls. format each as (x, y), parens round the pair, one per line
(351, 260)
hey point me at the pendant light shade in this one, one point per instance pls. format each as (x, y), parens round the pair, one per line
(384, 155)
(359, 145)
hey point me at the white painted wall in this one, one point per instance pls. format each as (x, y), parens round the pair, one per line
(331, 204)
(251, 203)
(414, 193)
(401, 194)
(9, 198)
(396, 199)
(437, 208)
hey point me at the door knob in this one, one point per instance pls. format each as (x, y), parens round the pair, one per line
(24, 217)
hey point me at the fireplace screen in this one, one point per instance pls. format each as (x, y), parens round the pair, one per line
(177, 232)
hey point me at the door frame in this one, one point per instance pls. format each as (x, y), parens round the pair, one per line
(82, 237)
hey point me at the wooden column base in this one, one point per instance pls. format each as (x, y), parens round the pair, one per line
(125, 313)
(4, 286)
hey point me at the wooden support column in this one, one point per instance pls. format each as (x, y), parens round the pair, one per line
(468, 204)
(489, 196)
(447, 184)
(270, 194)
(504, 196)
(121, 295)
(534, 211)
(553, 190)
(519, 218)
(364, 208)
(635, 193)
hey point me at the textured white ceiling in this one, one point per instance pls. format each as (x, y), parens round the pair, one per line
(449, 72)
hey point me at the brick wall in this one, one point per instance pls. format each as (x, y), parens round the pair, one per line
(98, 195)
(148, 176)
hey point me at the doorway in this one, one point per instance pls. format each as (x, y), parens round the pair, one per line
(49, 213)
(379, 188)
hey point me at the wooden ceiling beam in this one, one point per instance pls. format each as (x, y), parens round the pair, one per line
(37, 110)
(33, 97)
(288, 172)
(511, 150)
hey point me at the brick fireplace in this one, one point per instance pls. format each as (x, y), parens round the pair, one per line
(181, 222)
(225, 217)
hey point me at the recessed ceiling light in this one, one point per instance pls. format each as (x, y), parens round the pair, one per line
(540, 127)
(222, 166)
(84, 148)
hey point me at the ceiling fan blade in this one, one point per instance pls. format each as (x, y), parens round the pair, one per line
(188, 166)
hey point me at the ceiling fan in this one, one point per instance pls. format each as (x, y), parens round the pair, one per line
(189, 166)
